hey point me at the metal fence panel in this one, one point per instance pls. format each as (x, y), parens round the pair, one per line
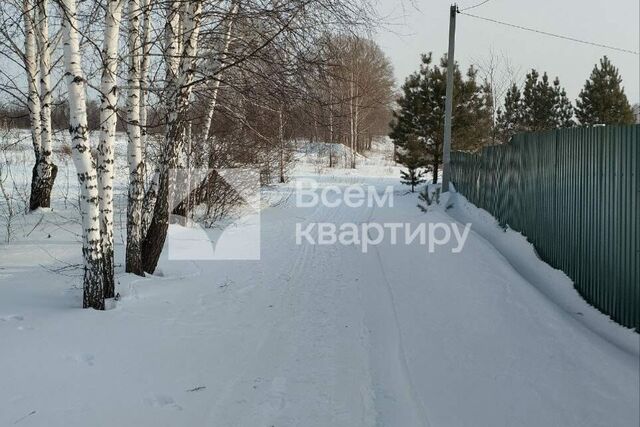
(575, 194)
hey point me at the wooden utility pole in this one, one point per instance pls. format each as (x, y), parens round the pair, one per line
(446, 148)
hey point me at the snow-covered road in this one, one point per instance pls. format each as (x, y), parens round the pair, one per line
(309, 335)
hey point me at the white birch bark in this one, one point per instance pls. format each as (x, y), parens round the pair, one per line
(172, 41)
(31, 68)
(178, 92)
(150, 195)
(44, 46)
(38, 65)
(281, 144)
(44, 171)
(108, 121)
(216, 85)
(134, 147)
(144, 69)
(186, 70)
(171, 56)
(330, 126)
(82, 159)
(352, 132)
(356, 127)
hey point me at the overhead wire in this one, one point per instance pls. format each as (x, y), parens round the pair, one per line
(546, 33)
(474, 6)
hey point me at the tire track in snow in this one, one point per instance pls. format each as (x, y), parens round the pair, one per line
(251, 362)
(416, 402)
(260, 388)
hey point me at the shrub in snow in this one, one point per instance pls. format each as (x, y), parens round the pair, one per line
(430, 196)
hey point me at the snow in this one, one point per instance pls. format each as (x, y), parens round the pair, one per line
(552, 283)
(313, 335)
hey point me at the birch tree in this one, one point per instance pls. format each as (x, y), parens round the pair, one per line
(134, 148)
(140, 227)
(178, 91)
(144, 66)
(216, 85)
(44, 171)
(93, 296)
(108, 120)
(353, 116)
(171, 59)
(31, 72)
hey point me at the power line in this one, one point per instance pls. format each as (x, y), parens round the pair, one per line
(558, 36)
(474, 6)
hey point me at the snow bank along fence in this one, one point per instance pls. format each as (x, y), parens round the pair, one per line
(575, 194)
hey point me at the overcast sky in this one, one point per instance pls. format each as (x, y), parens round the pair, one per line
(421, 26)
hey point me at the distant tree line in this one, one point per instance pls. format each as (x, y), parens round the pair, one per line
(342, 93)
(16, 116)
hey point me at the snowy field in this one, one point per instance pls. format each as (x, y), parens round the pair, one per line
(309, 335)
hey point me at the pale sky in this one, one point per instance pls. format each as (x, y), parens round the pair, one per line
(417, 26)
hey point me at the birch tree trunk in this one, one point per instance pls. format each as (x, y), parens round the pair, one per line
(108, 120)
(352, 130)
(150, 194)
(216, 84)
(330, 126)
(33, 97)
(281, 143)
(44, 171)
(134, 147)
(83, 161)
(178, 92)
(171, 58)
(144, 69)
(356, 127)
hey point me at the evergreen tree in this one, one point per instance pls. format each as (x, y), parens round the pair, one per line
(413, 156)
(563, 110)
(410, 115)
(472, 123)
(539, 100)
(540, 106)
(421, 111)
(428, 198)
(509, 120)
(602, 100)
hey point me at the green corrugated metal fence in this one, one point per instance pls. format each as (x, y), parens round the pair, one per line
(575, 194)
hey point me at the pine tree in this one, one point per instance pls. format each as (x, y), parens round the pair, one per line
(421, 111)
(509, 120)
(545, 106)
(408, 117)
(540, 106)
(563, 110)
(538, 101)
(602, 100)
(412, 156)
(472, 115)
